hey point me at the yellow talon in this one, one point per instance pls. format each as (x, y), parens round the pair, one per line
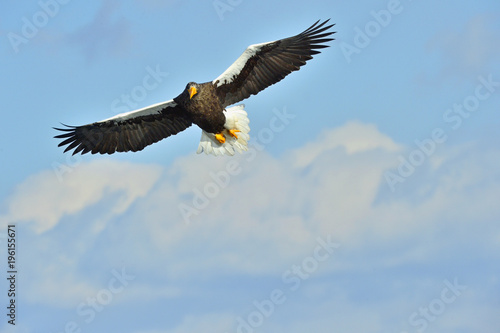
(233, 133)
(220, 137)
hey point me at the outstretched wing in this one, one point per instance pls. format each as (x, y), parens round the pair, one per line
(131, 131)
(262, 65)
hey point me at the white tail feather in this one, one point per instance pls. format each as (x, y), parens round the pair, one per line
(236, 119)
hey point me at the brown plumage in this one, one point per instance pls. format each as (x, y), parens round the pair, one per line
(260, 66)
(125, 135)
(204, 108)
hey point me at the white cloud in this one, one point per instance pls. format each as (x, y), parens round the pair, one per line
(55, 283)
(44, 198)
(263, 219)
(353, 137)
(276, 207)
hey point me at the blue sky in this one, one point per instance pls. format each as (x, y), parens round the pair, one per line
(371, 207)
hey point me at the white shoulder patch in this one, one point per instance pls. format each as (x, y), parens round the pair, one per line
(236, 119)
(152, 109)
(234, 70)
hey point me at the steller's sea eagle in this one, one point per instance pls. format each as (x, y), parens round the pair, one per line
(224, 129)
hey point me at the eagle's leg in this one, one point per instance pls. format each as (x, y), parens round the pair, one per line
(220, 137)
(233, 133)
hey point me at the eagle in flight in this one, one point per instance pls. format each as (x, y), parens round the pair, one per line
(224, 129)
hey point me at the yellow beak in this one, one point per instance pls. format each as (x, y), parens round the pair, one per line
(192, 92)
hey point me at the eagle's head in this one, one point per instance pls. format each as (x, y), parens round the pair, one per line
(192, 89)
